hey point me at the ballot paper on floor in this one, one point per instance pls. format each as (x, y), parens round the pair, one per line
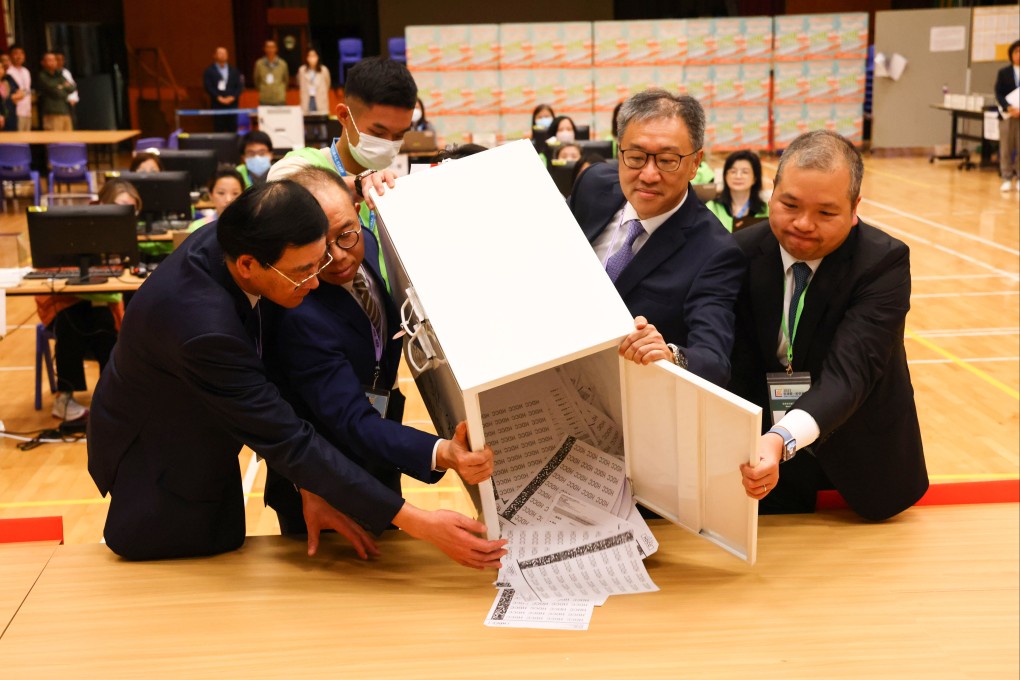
(510, 611)
(505, 304)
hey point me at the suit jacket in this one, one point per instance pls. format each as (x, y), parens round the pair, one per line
(211, 81)
(1004, 84)
(850, 338)
(684, 279)
(323, 356)
(185, 388)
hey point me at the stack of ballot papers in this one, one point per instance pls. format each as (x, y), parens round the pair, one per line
(574, 535)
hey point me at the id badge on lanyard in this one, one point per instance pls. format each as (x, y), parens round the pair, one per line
(784, 390)
(378, 398)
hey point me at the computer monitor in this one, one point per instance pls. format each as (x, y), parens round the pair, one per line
(83, 236)
(165, 195)
(225, 144)
(603, 147)
(582, 133)
(199, 163)
(562, 173)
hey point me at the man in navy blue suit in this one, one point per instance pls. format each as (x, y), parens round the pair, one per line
(675, 266)
(335, 360)
(223, 85)
(185, 388)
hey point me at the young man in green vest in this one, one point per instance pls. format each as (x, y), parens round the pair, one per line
(379, 99)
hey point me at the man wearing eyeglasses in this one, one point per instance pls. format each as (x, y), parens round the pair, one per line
(335, 360)
(186, 387)
(673, 263)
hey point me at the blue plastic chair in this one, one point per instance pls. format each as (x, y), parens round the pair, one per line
(351, 50)
(150, 143)
(172, 140)
(15, 166)
(398, 49)
(43, 353)
(69, 163)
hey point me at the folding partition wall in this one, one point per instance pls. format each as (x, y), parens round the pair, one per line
(806, 70)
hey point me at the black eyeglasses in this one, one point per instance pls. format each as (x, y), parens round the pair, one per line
(347, 240)
(635, 159)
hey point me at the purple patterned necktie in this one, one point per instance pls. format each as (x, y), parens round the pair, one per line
(622, 257)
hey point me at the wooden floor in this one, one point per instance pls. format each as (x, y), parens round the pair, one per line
(963, 343)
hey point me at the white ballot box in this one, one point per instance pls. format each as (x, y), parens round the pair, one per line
(507, 309)
(285, 125)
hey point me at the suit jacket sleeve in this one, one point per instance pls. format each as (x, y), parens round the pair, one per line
(870, 330)
(317, 367)
(211, 81)
(1004, 84)
(233, 83)
(709, 313)
(228, 377)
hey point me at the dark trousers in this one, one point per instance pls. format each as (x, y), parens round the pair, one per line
(149, 520)
(800, 480)
(81, 330)
(224, 123)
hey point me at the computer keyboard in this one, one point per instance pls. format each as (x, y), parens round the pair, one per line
(72, 272)
(163, 226)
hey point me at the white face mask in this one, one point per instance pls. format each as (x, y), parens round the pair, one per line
(543, 122)
(416, 115)
(565, 136)
(371, 152)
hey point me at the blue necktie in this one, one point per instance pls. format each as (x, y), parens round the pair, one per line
(623, 256)
(801, 273)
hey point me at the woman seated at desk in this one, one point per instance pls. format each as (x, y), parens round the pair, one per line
(84, 324)
(225, 186)
(740, 203)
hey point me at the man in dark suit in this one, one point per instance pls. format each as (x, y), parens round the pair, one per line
(223, 85)
(333, 352)
(673, 263)
(1007, 80)
(185, 388)
(839, 291)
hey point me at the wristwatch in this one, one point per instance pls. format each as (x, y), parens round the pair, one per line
(357, 182)
(679, 358)
(789, 443)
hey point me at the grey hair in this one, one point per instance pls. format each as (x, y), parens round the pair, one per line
(658, 103)
(312, 177)
(822, 150)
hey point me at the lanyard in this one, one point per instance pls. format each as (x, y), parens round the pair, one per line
(796, 323)
(343, 173)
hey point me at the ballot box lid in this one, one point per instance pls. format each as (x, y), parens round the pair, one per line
(502, 271)
(685, 439)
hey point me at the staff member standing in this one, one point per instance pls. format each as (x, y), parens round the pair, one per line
(1006, 82)
(223, 85)
(819, 344)
(271, 76)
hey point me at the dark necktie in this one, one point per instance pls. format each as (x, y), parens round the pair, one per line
(616, 264)
(253, 326)
(367, 301)
(801, 273)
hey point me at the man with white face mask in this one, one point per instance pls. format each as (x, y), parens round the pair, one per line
(379, 99)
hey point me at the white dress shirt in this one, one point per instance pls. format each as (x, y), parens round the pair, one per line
(614, 235)
(798, 422)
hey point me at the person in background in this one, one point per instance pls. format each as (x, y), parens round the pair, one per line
(740, 204)
(53, 91)
(560, 131)
(5, 60)
(256, 157)
(8, 107)
(419, 123)
(588, 159)
(22, 98)
(271, 76)
(146, 161)
(314, 84)
(85, 324)
(541, 119)
(222, 82)
(72, 98)
(612, 128)
(1008, 80)
(568, 152)
(224, 188)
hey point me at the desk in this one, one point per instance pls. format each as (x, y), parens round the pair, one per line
(932, 593)
(122, 284)
(20, 566)
(106, 139)
(986, 144)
